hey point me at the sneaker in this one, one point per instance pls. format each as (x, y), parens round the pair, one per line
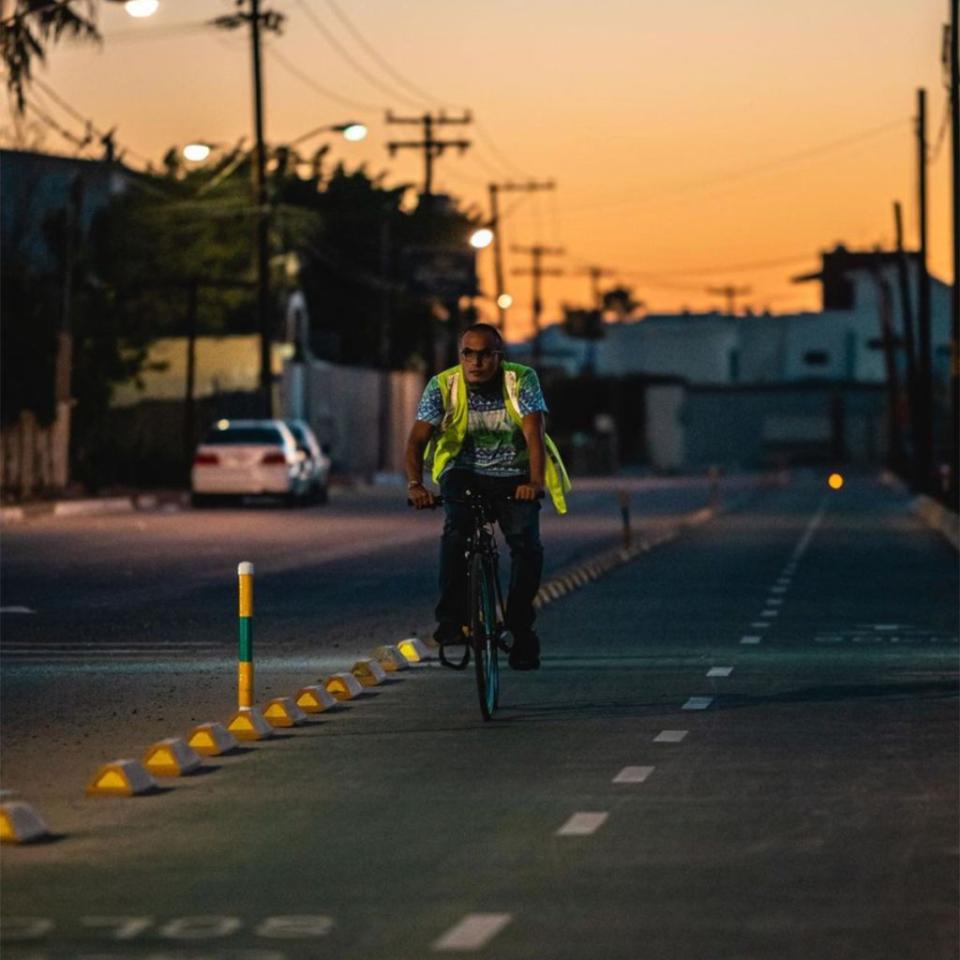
(525, 654)
(449, 634)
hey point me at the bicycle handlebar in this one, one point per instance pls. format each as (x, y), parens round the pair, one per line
(439, 500)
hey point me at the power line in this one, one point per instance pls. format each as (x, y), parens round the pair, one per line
(734, 268)
(86, 121)
(346, 55)
(304, 78)
(775, 163)
(170, 31)
(421, 95)
(81, 143)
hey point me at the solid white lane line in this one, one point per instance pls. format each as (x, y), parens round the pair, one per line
(750, 640)
(698, 703)
(719, 671)
(582, 824)
(16, 610)
(473, 932)
(633, 774)
(670, 736)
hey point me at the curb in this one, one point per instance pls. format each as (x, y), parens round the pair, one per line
(933, 513)
(936, 516)
(96, 506)
(596, 566)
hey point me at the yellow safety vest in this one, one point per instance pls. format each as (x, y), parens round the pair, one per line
(452, 431)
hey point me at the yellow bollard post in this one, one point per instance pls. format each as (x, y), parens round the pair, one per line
(245, 664)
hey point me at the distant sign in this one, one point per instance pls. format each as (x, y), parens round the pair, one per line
(583, 324)
(441, 272)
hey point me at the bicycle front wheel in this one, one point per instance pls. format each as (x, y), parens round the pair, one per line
(484, 629)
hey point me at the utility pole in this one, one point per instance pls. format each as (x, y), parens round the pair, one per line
(953, 38)
(495, 189)
(595, 274)
(924, 373)
(731, 293)
(431, 147)
(906, 303)
(538, 271)
(260, 20)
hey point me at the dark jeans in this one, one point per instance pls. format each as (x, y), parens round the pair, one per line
(520, 523)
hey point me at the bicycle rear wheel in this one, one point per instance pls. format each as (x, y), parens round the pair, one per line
(484, 630)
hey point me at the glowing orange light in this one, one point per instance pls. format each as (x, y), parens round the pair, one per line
(835, 480)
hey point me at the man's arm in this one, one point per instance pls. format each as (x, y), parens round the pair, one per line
(532, 425)
(417, 442)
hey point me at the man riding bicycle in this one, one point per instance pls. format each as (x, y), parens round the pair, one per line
(482, 421)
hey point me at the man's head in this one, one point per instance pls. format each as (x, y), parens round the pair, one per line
(481, 351)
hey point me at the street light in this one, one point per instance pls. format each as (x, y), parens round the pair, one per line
(504, 301)
(481, 239)
(351, 130)
(197, 152)
(141, 8)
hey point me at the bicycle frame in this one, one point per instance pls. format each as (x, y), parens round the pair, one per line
(483, 542)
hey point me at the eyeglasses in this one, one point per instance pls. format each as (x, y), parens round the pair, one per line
(481, 356)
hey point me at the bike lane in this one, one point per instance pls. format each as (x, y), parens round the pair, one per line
(660, 788)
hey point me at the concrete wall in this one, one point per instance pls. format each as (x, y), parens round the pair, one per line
(344, 404)
(665, 432)
(35, 458)
(754, 427)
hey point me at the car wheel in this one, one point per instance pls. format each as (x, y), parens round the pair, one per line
(321, 493)
(201, 500)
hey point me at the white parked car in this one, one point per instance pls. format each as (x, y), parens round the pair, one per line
(317, 464)
(249, 457)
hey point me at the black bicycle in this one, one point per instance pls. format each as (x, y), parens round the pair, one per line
(486, 628)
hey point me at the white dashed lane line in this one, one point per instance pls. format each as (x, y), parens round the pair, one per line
(582, 824)
(760, 625)
(698, 703)
(670, 736)
(750, 641)
(633, 774)
(473, 932)
(719, 671)
(778, 589)
(16, 610)
(769, 613)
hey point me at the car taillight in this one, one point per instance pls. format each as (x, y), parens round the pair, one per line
(274, 458)
(205, 460)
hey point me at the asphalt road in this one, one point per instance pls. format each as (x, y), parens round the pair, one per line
(698, 771)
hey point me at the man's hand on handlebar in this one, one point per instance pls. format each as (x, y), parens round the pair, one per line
(420, 496)
(529, 491)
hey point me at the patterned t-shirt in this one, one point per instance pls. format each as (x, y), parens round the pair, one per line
(494, 445)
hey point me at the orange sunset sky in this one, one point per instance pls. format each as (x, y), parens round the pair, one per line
(694, 144)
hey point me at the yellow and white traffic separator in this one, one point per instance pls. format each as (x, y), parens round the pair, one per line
(390, 658)
(284, 712)
(171, 757)
(248, 723)
(212, 740)
(414, 649)
(121, 778)
(314, 699)
(343, 686)
(20, 823)
(369, 672)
